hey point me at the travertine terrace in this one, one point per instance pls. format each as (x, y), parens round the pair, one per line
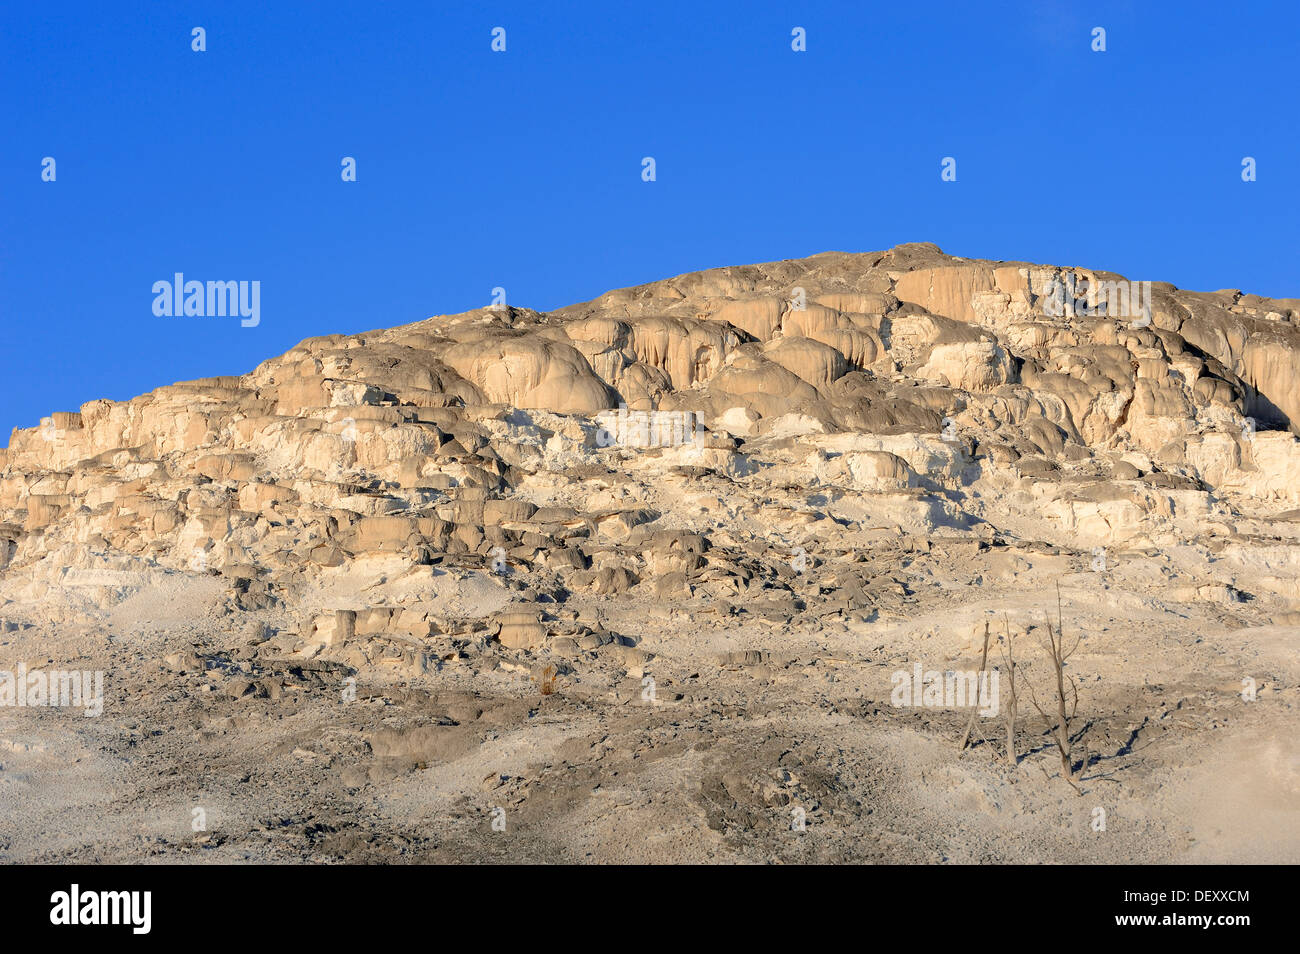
(388, 588)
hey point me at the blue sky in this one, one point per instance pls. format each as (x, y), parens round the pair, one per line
(522, 169)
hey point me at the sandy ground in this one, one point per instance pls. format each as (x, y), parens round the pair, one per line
(713, 769)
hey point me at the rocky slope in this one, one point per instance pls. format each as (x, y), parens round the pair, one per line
(635, 574)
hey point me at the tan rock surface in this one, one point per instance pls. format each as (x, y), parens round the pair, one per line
(761, 488)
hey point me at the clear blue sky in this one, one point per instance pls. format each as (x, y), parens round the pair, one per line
(523, 169)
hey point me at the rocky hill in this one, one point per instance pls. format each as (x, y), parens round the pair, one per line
(665, 549)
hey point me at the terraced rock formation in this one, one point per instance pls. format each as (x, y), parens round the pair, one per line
(664, 549)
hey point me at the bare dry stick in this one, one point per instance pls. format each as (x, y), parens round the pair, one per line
(1058, 654)
(974, 713)
(1009, 657)
(1063, 721)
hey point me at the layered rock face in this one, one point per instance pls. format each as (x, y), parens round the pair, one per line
(780, 475)
(958, 392)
